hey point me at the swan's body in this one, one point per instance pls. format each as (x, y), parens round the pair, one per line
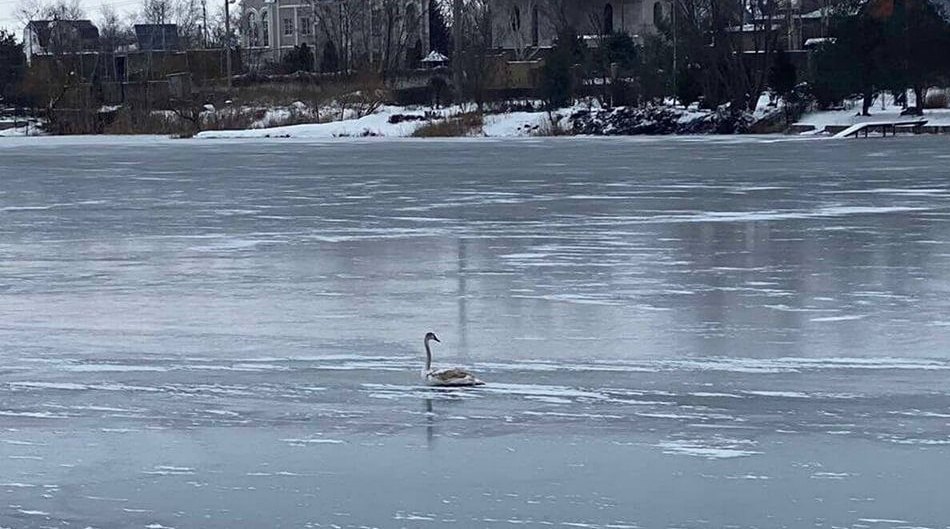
(445, 377)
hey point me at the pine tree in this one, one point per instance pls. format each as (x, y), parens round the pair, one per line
(782, 75)
(331, 61)
(557, 74)
(12, 68)
(299, 59)
(440, 38)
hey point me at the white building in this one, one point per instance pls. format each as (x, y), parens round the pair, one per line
(391, 34)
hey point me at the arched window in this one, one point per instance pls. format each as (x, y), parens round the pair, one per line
(265, 29)
(253, 30)
(608, 19)
(515, 19)
(657, 14)
(535, 26)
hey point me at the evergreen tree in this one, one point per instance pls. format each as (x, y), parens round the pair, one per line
(12, 68)
(689, 88)
(854, 64)
(620, 49)
(782, 76)
(914, 32)
(655, 65)
(299, 59)
(440, 38)
(557, 76)
(331, 60)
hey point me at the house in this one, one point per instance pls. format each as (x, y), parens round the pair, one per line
(157, 37)
(343, 34)
(793, 26)
(520, 25)
(54, 37)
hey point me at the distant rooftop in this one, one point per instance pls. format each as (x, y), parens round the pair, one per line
(157, 37)
(85, 29)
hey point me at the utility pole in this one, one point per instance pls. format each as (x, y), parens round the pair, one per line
(673, 16)
(227, 41)
(204, 23)
(457, 46)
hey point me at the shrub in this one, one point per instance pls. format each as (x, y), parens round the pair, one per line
(299, 59)
(557, 76)
(936, 99)
(456, 126)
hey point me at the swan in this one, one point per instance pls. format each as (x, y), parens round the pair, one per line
(445, 377)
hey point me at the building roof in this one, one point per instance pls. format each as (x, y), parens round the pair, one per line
(157, 37)
(435, 57)
(85, 29)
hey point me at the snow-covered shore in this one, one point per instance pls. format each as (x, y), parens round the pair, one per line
(394, 121)
(886, 110)
(582, 119)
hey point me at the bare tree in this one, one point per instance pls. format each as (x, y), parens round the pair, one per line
(113, 30)
(50, 10)
(186, 14)
(734, 42)
(476, 63)
(383, 36)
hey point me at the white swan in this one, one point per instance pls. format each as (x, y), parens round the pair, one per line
(445, 377)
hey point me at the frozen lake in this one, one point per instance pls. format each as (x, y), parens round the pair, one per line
(677, 333)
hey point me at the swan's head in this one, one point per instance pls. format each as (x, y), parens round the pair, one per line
(432, 336)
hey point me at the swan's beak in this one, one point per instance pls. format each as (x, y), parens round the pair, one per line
(436, 338)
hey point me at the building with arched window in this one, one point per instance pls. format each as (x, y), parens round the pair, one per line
(591, 18)
(343, 34)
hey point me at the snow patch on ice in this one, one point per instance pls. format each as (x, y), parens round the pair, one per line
(698, 448)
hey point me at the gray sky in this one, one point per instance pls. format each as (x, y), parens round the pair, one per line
(9, 20)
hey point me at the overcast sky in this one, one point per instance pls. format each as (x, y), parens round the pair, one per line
(9, 20)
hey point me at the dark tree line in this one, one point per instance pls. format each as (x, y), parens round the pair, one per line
(12, 69)
(697, 56)
(891, 46)
(875, 46)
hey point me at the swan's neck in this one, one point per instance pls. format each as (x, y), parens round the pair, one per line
(428, 357)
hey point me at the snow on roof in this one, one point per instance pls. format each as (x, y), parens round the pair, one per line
(435, 56)
(750, 28)
(818, 41)
(822, 12)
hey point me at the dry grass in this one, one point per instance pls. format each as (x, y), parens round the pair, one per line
(229, 118)
(128, 122)
(314, 91)
(466, 124)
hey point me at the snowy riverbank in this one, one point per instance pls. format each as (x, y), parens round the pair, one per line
(396, 121)
(583, 119)
(883, 109)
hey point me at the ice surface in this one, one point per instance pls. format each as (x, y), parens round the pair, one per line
(692, 333)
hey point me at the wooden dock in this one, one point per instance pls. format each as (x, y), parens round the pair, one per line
(914, 126)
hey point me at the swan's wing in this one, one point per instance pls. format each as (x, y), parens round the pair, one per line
(453, 376)
(449, 374)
